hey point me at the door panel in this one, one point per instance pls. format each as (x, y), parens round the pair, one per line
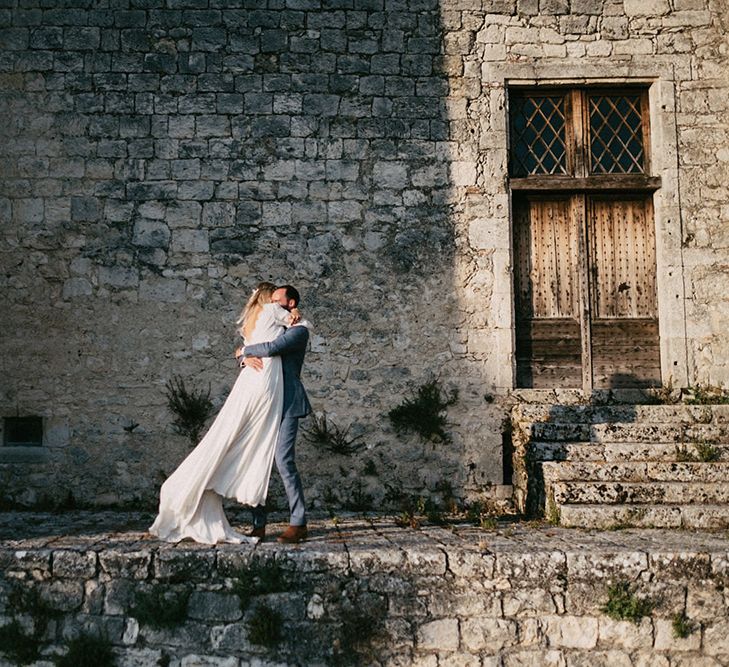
(624, 322)
(548, 340)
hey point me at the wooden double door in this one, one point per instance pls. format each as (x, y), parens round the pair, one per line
(585, 286)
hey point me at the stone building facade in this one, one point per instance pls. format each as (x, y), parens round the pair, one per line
(160, 157)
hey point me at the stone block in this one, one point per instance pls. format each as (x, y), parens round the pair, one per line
(665, 639)
(151, 234)
(74, 564)
(184, 565)
(118, 276)
(63, 595)
(625, 634)
(190, 240)
(490, 635)
(76, 287)
(540, 658)
(94, 593)
(194, 660)
(716, 638)
(125, 564)
(441, 635)
(533, 602)
(213, 606)
(650, 8)
(571, 631)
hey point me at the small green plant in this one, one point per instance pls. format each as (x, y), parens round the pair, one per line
(706, 452)
(681, 625)
(264, 626)
(191, 408)
(705, 395)
(161, 607)
(552, 513)
(425, 412)
(624, 605)
(259, 579)
(17, 646)
(88, 651)
(360, 500)
(326, 434)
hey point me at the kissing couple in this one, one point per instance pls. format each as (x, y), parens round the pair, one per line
(257, 423)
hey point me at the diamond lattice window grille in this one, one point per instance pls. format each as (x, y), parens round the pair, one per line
(616, 134)
(538, 135)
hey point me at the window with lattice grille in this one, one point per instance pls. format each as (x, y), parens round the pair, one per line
(578, 133)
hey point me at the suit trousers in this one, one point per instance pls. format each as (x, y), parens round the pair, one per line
(286, 464)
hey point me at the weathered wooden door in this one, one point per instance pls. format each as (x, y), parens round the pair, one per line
(623, 309)
(585, 283)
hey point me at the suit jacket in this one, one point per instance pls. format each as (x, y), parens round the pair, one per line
(291, 347)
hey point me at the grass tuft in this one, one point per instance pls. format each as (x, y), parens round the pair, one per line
(192, 408)
(682, 627)
(425, 412)
(624, 605)
(324, 433)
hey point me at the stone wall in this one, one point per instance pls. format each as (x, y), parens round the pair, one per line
(159, 157)
(369, 593)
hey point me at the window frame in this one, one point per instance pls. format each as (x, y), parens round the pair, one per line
(577, 143)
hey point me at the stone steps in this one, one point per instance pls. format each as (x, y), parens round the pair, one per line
(631, 432)
(617, 451)
(634, 471)
(603, 517)
(619, 493)
(643, 466)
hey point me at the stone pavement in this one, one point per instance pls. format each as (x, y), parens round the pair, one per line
(364, 590)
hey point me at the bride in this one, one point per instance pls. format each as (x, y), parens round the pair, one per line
(235, 457)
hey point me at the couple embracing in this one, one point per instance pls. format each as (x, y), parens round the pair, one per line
(257, 423)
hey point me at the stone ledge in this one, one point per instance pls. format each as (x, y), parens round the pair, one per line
(520, 594)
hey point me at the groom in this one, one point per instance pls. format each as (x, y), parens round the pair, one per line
(291, 347)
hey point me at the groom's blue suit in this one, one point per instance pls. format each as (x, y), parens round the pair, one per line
(291, 347)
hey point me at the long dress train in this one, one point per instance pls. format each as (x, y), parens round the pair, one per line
(234, 458)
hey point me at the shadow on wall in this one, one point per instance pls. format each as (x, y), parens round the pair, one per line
(208, 150)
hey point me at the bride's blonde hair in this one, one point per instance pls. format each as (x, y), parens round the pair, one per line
(259, 298)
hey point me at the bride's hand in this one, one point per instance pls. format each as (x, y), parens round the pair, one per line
(295, 316)
(238, 352)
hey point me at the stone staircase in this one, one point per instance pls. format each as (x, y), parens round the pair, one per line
(586, 466)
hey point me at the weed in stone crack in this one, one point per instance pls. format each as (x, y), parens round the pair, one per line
(264, 626)
(161, 607)
(88, 651)
(360, 500)
(624, 605)
(258, 579)
(17, 646)
(552, 514)
(682, 627)
(191, 408)
(324, 433)
(424, 412)
(706, 452)
(705, 395)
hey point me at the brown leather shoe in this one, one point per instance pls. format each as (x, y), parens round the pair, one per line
(260, 533)
(293, 535)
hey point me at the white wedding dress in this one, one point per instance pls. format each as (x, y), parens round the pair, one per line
(235, 457)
